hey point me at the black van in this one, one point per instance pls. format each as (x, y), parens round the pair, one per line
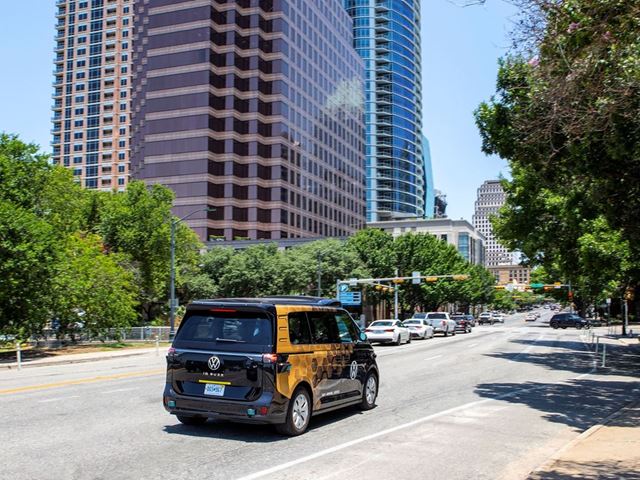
(276, 360)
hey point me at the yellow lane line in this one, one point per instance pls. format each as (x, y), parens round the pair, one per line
(101, 378)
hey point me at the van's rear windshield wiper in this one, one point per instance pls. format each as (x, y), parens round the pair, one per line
(232, 340)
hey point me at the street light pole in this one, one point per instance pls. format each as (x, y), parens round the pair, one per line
(172, 280)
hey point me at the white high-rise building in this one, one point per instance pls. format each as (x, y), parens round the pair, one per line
(491, 197)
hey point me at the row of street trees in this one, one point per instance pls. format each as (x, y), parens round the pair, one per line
(265, 270)
(566, 116)
(74, 258)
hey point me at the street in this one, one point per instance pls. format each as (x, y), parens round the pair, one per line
(491, 404)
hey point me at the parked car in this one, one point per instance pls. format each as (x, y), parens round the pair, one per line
(419, 328)
(564, 320)
(462, 324)
(268, 360)
(530, 317)
(484, 318)
(441, 323)
(388, 331)
(498, 318)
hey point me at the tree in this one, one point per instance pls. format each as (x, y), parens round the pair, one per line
(567, 118)
(136, 223)
(92, 289)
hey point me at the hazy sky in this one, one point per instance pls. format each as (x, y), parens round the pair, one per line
(460, 49)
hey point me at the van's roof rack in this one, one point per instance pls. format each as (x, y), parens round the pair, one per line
(275, 300)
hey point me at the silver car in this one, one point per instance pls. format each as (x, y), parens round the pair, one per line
(419, 328)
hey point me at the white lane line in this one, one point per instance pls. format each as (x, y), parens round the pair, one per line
(418, 421)
(433, 358)
(57, 399)
(118, 390)
(472, 345)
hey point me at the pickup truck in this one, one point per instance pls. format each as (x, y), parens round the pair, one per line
(441, 323)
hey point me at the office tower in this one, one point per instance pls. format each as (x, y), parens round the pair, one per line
(429, 191)
(491, 197)
(92, 91)
(253, 108)
(387, 37)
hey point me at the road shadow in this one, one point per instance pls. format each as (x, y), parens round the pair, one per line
(254, 433)
(602, 470)
(573, 356)
(578, 403)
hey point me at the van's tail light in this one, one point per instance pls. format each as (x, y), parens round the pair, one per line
(269, 358)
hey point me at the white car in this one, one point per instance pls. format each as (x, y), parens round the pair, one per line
(498, 318)
(388, 331)
(419, 328)
(441, 323)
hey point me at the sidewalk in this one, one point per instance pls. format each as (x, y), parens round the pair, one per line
(607, 451)
(81, 357)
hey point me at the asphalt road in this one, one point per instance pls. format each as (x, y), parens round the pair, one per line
(492, 404)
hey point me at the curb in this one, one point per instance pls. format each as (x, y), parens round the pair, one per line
(545, 466)
(14, 366)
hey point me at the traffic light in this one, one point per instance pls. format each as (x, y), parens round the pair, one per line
(570, 295)
(398, 280)
(460, 277)
(431, 279)
(499, 287)
(548, 288)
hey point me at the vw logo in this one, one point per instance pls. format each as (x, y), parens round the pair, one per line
(353, 371)
(214, 363)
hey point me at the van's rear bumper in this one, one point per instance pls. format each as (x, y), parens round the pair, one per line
(237, 411)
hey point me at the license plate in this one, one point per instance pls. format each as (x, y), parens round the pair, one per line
(378, 331)
(214, 389)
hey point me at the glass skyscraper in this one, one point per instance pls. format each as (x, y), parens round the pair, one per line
(387, 37)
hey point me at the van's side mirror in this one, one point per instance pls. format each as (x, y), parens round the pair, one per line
(363, 337)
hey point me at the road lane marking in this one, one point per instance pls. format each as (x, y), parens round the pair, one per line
(472, 345)
(119, 390)
(57, 399)
(433, 358)
(373, 436)
(80, 381)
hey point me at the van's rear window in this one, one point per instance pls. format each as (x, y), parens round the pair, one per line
(241, 331)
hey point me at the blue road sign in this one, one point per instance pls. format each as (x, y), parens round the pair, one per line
(350, 298)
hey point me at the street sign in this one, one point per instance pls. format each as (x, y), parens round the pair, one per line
(416, 280)
(536, 285)
(353, 282)
(350, 298)
(344, 287)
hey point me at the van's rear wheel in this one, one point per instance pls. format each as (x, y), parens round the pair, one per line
(298, 414)
(185, 420)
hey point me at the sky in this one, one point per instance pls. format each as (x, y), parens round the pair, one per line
(460, 50)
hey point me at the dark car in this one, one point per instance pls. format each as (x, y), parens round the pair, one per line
(564, 320)
(462, 323)
(276, 360)
(471, 319)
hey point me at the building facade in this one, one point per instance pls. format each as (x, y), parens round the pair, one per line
(253, 108)
(92, 88)
(429, 191)
(468, 241)
(387, 36)
(491, 197)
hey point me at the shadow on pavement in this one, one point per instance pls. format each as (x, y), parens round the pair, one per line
(574, 357)
(577, 403)
(254, 433)
(603, 470)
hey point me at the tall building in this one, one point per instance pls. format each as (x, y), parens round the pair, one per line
(429, 191)
(503, 263)
(253, 108)
(387, 36)
(92, 90)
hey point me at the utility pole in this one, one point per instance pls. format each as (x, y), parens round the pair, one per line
(395, 299)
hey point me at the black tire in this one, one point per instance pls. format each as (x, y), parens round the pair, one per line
(453, 334)
(195, 421)
(289, 427)
(399, 341)
(409, 341)
(446, 334)
(554, 326)
(368, 403)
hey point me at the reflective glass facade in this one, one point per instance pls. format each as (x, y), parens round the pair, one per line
(254, 108)
(429, 191)
(387, 37)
